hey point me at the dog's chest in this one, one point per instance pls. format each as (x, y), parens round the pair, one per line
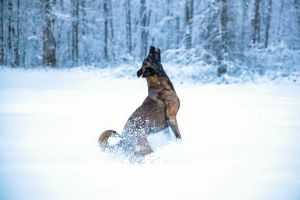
(153, 94)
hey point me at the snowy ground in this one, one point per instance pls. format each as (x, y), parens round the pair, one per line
(239, 142)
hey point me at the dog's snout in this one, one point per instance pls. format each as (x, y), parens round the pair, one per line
(139, 73)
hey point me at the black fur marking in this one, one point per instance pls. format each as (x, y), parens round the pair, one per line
(149, 72)
(139, 73)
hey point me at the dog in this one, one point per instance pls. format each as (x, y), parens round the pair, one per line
(157, 112)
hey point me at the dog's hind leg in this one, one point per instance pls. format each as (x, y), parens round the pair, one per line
(143, 147)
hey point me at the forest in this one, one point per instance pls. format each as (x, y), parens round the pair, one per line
(255, 34)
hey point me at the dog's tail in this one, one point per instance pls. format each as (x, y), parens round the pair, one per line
(104, 143)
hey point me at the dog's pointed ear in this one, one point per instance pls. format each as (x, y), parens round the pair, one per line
(152, 50)
(151, 55)
(157, 55)
(139, 73)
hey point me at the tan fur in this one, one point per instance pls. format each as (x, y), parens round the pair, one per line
(157, 112)
(102, 140)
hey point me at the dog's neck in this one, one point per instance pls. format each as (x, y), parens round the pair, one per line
(157, 84)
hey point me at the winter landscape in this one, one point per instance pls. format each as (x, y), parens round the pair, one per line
(68, 72)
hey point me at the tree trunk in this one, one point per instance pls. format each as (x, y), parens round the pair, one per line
(17, 37)
(105, 12)
(111, 26)
(108, 30)
(75, 24)
(128, 26)
(10, 30)
(189, 12)
(256, 23)
(2, 32)
(83, 18)
(177, 28)
(244, 42)
(223, 29)
(268, 23)
(169, 30)
(280, 29)
(144, 32)
(84, 31)
(297, 7)
(49, 43)
(13, 33)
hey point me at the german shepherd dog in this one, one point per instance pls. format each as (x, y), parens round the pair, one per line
(157, 113)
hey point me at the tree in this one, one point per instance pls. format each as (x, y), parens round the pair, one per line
(189, 11)
(223, 29)
(83, 18)
(10, 29)
(108, 30)
(210, 32)
(177, 28)
(280, 28)
(17, 38)
(297, 7)
(245, 8)
(111, 29)
(13, 33)
(268, 23)
(75, 30)
(49, 43)
(105, 12)
(83, 29)
(143, 26)
(256, 23)
(2, 32)
(128, 26)
(169, 30)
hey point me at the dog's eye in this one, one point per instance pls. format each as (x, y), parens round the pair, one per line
(150, 70)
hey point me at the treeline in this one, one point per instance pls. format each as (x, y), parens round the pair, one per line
(87, 32)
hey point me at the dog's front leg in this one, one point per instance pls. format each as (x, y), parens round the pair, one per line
(172, 122)
(172, 109)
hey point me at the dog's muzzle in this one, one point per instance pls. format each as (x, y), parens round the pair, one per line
(148, 72)
(139, 73)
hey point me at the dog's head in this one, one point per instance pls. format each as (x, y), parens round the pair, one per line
(152, 65)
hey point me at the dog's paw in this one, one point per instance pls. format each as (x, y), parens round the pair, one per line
(178, 140)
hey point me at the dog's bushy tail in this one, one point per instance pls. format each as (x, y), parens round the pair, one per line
(104, 143)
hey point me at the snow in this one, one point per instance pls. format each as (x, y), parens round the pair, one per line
(240, 141)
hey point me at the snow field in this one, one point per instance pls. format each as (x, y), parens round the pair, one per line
(239, 141)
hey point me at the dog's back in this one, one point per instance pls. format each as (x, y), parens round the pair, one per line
(149, 117)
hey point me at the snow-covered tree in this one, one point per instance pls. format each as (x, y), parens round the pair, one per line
(67, 33)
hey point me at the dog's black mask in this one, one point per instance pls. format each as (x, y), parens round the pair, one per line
(149, 72)
(156, 67)
(139, 73)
